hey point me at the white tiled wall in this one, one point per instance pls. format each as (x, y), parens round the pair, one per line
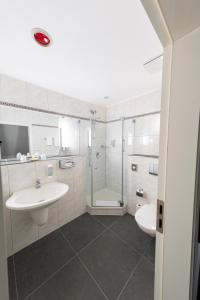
(141, 179)
(20, 229)
(114, 156)
(146, 135)
(13, 90)
(136, 106)
(99, 142)
(141, 137)
(23, 93)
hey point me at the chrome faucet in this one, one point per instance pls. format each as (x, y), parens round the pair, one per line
(37, 184)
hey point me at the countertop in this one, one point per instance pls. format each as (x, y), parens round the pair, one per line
(6, 162)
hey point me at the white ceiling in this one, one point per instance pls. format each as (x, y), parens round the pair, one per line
(182, 16)
(99, 47)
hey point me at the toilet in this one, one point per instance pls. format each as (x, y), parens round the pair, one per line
(146, 219)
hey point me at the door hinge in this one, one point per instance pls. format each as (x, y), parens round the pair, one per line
(160, 216)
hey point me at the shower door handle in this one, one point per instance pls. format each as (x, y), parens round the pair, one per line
(90, 157)
(123, 145)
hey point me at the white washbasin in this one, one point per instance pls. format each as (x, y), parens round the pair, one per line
(36, 201)
(32, 198)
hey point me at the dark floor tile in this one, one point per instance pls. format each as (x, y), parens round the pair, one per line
(111, 262)
(107, 220)
(70, 283)
(82, 230)
(37, 262)
(127, 228)
(141, 284)
(150, 250)
(11, 279)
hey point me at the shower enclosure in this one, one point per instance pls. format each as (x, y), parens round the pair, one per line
(106, 148)
(110, 145)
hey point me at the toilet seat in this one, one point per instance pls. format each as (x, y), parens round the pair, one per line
(146, 218)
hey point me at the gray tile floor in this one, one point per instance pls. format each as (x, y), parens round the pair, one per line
(90, 258)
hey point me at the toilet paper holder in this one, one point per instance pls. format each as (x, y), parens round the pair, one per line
(140, 192)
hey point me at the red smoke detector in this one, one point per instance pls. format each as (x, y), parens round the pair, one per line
(41, 37)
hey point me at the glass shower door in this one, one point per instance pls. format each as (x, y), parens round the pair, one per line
(107, 163)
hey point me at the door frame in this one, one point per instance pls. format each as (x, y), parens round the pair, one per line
(3, 258)
(195, 259)
(178, 55)
(154, 12)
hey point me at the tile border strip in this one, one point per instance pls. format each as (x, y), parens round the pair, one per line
(4, 103)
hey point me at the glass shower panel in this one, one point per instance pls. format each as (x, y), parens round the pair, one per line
(114, 161)
(146, 135)
(85, 152)
(107, 163)
(70, 135)
(129, 131)
(98, 162)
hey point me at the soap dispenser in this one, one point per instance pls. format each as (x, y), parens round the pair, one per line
(50, 170)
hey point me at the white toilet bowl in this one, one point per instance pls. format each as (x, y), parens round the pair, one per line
(146, 219)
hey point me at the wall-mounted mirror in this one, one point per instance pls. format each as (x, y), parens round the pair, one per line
(38, 132)
(13, 139)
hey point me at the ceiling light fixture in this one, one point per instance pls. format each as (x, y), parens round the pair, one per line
(41, 37)
(106, 98)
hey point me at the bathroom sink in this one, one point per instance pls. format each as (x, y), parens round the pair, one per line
(37, 200)
(32, 198)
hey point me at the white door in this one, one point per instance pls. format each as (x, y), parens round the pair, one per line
(3, 261)
(178, 151)
(183, 127)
